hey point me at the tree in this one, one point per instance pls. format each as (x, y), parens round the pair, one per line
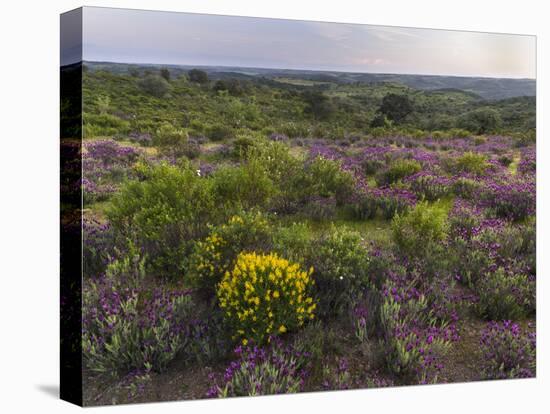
(165, 73)
(198, 76)
(134, 72)
(380, 121)
(318, 104)
(155, 85)
(481, 120)
(396, 107)
(233, 86)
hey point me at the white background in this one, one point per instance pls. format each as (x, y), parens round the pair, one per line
(29, 236)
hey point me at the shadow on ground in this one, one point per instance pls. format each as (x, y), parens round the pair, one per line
(49, 389)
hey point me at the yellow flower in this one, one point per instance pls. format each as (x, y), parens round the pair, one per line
(282, 329)
(245, 341)
(276, 294)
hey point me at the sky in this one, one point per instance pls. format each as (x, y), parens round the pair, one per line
(135, 36)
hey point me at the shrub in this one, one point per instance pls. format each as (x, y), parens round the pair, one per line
(396, 107)
(398, 170)
(517, 244)
(505, 296)
(481, 121)
(242, 146)
(164, 214)
(198, 76)
(469, 162)
(320, 208)
(371, 167)
(364, 205)
(393, 202)
(466, 188)
(155, 85)
(293, 242)
(103, 124)
(341, 263)
(429, 187)
(219, 132)
(245, 186)
(126, 327)
(325, 178)
(209, 341)
(507, 352)
(174, 141)
(420, 229)
(265, 295)
(414, 339)
(97, 246)
(216, 254)
(512, 200)
(263, 371)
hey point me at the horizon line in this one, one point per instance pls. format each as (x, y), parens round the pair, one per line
(295, 69)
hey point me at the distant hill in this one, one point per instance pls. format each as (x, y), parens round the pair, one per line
(486, 88)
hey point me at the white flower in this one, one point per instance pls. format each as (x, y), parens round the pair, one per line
(199, 173)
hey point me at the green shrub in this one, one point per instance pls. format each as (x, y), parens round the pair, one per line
(242, 145)
(341, 270)
(167, 135)
(293, 241)
(265, 295)
(398, 170)
(245, 186)
(216, 254)
(219, 132)
(104, 125)
(325, 178)
(419, 230)
(466, 188)
(174, 142)
(481, 120)
(164, 214)
(155, 85)
(469, 162)
(127, 326)
(505, 296)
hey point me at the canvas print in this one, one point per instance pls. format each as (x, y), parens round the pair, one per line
(257, 206)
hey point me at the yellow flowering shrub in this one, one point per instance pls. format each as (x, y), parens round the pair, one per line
(265, 295)
(216, 254)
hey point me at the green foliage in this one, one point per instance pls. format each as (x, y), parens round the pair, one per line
(380, 121)
(398, 170)
(245, 186)
(103, 104)
(242, 145)
(197, 76)
(165, 74)
(422, 228)
(216, 254)
(325, 178)
(174, 142)
(155, 85)
(469, 162)
(294, 241)
(481, 121)
(396, 107)
(341, 265)
(404, 357)
(504, 296)
(103, 124)
(163, 214)
(232, 86)
(219, 132)
(318, 104)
